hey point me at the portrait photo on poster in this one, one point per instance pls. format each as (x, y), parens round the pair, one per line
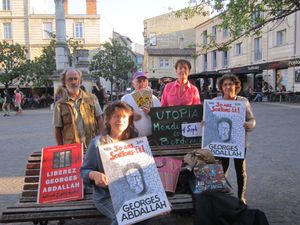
(223, 132)
(135, 178)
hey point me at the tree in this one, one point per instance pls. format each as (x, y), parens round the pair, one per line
(112, 62)
(44, 65)
(13, 63)
(241, 18)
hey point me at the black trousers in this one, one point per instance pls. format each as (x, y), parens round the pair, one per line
(241, 174)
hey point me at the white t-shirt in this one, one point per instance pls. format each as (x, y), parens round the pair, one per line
(143, 125)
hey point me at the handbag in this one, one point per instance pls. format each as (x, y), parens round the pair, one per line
(209, 178)
(168, 169)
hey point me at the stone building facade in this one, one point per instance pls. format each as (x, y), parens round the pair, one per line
(168, 38)
(272, 57)
(29, 22)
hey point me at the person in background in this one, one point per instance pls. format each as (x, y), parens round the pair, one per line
(181, 91)
(99, 91)
(18, 100)
(142, 120)
(250, 94)
(60, 92)
(77, 115)
(6, 103)
(161, 87)
(230, 86)
(118, 120)
(19, 89)
(1, 100)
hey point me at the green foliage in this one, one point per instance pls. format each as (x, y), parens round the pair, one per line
(241, 18)
(43, 67)
(112, 62)
(13, 64)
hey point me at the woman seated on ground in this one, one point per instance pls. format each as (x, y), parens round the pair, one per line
(118, 118)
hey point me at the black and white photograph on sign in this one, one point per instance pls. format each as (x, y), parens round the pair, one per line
(223, 132)
(135, 186)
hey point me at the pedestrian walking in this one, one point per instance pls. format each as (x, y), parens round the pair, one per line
(6, 103)
(18, 101)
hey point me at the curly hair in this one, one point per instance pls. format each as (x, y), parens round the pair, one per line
(110, 109)
(232, 78)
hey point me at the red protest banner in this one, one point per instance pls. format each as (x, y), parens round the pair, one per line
(60, 174)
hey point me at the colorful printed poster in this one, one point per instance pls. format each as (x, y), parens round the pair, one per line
(135, 186)
(169, 170)
(223, 132)
(209, 177)
(143, 97)
(60, 174)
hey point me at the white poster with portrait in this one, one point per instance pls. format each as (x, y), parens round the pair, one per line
(223, 130)
(282, 80)
(134, 183)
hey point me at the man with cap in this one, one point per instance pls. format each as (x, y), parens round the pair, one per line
(142, 120)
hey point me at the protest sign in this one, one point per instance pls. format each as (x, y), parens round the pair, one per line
(176, 125)
(134, 183)
(224, 132)
(143, 97)
(60, 174)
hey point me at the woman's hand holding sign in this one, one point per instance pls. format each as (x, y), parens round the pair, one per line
(100, 178)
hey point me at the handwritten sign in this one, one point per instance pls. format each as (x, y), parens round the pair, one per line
(60, 174)
(191, 129)
(176, 125)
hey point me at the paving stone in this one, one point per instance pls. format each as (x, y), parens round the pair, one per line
(272, 160)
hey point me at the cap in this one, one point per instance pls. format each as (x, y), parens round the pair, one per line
(139, 74)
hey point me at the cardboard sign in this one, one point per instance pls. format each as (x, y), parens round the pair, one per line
(224, 132)
(143, 97)
(176, 125)
(134, 183)
(60, 174)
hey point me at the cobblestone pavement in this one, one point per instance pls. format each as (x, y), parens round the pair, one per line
(273, 167)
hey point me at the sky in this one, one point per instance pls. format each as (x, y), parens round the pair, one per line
(127, 16)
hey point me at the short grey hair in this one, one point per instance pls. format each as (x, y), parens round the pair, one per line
(64, 73)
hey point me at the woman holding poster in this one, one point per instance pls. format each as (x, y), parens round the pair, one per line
(230, 86)
(118, 118)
